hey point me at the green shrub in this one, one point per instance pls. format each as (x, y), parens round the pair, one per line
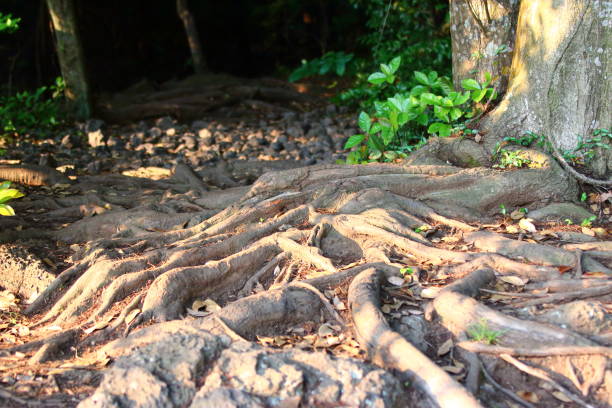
(29, 112)
(8, 23)
(331, 63)
(403, 122)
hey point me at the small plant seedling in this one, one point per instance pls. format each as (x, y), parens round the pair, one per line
(583, 197)
(524, 210)
(568, 221)
(482, 332)
(406, 271)
(588, 222)
(502, 209)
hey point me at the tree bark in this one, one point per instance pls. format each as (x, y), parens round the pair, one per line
(70, 55)
(193, 37)
(483, 34)
(559, 84)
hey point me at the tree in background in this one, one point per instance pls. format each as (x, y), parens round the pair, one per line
(193, 37)
(557, 67)
(70, 56)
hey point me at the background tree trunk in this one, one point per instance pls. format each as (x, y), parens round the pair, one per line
(70, 55)
(559, 82)
(483, 34)
(193, 37)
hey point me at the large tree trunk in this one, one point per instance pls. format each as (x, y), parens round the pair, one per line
(70, 55)
(199, 64)
(483, 34)
(560, 84)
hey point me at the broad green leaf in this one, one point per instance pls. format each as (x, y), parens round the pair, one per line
(462, 98)
(470, 84)
(377, 78)
(418, 90)
(429, 98)
(9, 194)
(488, 79)
(390, 155)
(376, 127)
(404, 117)
(390, 78)
(442, 129)
(354, 141)
(421, 77)
(441, 113)
(422, 119)
(375, 143)
(456, 113)
(396, 103)
(364, 122)
(433, 75)
(7, 210)
(5, 184)
(395, 64)
(448, 102)
(386, 69)
(387, 136)
(478, 95)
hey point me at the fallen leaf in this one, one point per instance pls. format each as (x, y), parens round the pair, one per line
(386, 308)
(528, 396)
(527, 225)
(445, 347)
(563, 269)
(561, 396)
(600, 232)
(513, 280)
(517, 215)
(338, 304)
(452, 369)
(132, 315)
(430, 292)
(396, 280)
(325, 330)
(588, 231)
(512, 229)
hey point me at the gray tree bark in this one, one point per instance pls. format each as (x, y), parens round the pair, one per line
(70, 55)
(559, 83)
(483, 34)
(193, 36)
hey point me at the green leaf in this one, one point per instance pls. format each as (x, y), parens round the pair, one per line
(386, 69)
(375, 143)
(441, 113)
(377, 78)
(395, 64)
(5, 184)
(422, 119)
(443, 129)
(354, 141)
(375, 154)
(456, 113)
(7, 210)
(390, 79)
(418, 90)
(478, 95)
(376, 127)
(470, 84)
(429, 98)
(9, 194)
(387, 136)
(390, 155)
(447, 102)
(421, 77)
(462, 98)
(433, 75)
(364, 122)
(488, 79)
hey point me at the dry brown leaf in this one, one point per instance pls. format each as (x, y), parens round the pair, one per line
(588, 231)
(527, 225)
(386, 308)
(325, 330)
(513, 280)
(517, 215)
(512, 229)
(528, 396)
(561, 396)
(132, 315)
(452, 369)
(430, 292)
(445, 347)
(338, 304)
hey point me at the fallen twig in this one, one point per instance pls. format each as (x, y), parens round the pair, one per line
(504, 390)
(477, 347)
(541, 374)
(567, 296)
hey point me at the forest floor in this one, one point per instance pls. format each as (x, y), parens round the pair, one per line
(297, 296)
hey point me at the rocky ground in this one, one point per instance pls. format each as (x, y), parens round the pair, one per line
(392, 299)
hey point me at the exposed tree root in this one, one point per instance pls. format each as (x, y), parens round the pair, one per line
(321, 227)
(390, 350)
